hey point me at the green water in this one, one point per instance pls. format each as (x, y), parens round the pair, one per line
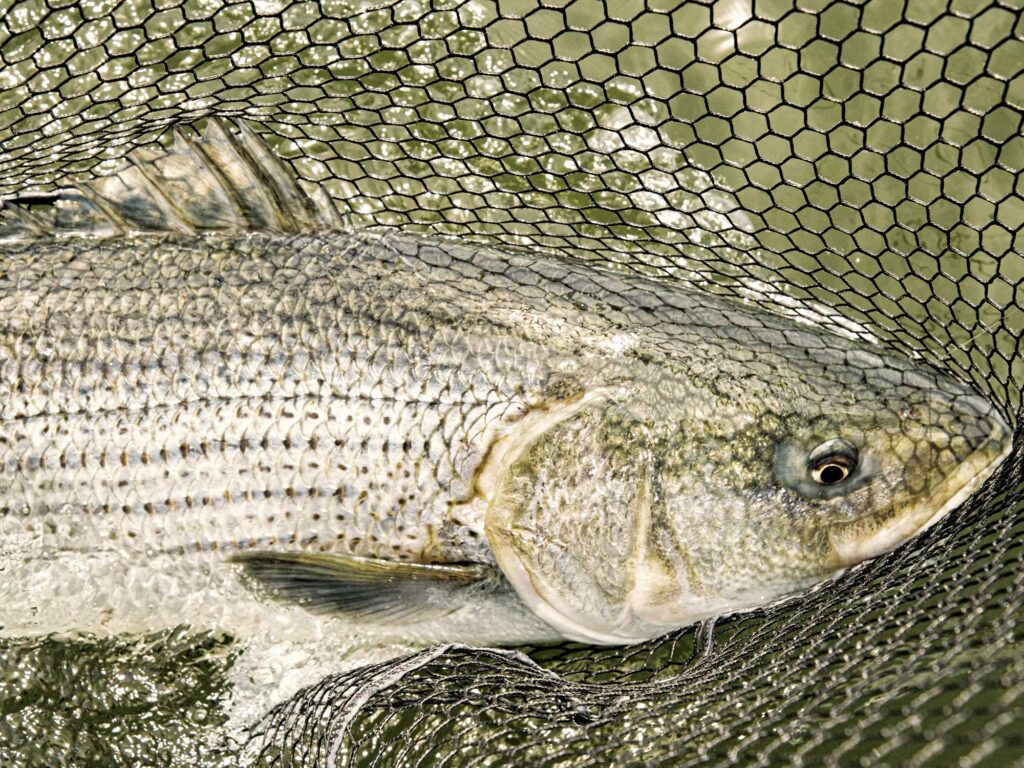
(145, 701)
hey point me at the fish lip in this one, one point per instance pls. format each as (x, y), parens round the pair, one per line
(888, 538)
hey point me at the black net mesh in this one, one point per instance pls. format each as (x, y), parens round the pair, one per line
(856, 164)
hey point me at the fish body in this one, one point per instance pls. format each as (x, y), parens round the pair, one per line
(404, 428)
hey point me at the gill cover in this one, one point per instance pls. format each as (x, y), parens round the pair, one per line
(570, 522)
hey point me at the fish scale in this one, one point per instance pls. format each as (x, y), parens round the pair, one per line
(381, 425)
(365, 341)
(286, 390)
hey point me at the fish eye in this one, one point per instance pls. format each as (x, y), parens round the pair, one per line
(832, 462)
(834, 468)
(830, 471)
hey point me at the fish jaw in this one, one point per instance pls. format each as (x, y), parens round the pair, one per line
(968, 477)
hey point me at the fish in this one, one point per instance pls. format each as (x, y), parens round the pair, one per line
(214, 390)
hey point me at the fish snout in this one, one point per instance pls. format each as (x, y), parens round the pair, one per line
(981, 426)
(944, 454)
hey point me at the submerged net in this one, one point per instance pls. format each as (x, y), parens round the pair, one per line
(853, 164)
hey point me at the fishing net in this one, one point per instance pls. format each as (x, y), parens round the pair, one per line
(856, 165)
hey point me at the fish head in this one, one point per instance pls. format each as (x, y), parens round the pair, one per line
(650, 509)
(874, 478)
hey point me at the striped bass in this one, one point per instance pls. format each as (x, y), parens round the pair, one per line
(214, 392)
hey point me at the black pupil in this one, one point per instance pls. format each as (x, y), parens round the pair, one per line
(832, 474)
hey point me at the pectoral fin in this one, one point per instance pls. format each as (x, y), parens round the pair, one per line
(381, 591)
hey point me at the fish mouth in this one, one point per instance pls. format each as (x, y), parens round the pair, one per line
(957, 487)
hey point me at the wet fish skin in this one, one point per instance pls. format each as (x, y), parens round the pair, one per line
(590, 454)
(340, 393)
(268, 391)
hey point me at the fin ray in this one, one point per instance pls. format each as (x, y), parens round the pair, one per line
(175, 218)
(19, 223)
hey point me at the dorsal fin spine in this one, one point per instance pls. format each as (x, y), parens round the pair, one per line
(26, 219)
(246, 158)
(176, 218)
(196, 150)
(280, 181)
(97, 201)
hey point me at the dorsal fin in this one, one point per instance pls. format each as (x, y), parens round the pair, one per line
(226, 181)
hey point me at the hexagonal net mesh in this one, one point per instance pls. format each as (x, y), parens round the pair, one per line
(855, 164)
